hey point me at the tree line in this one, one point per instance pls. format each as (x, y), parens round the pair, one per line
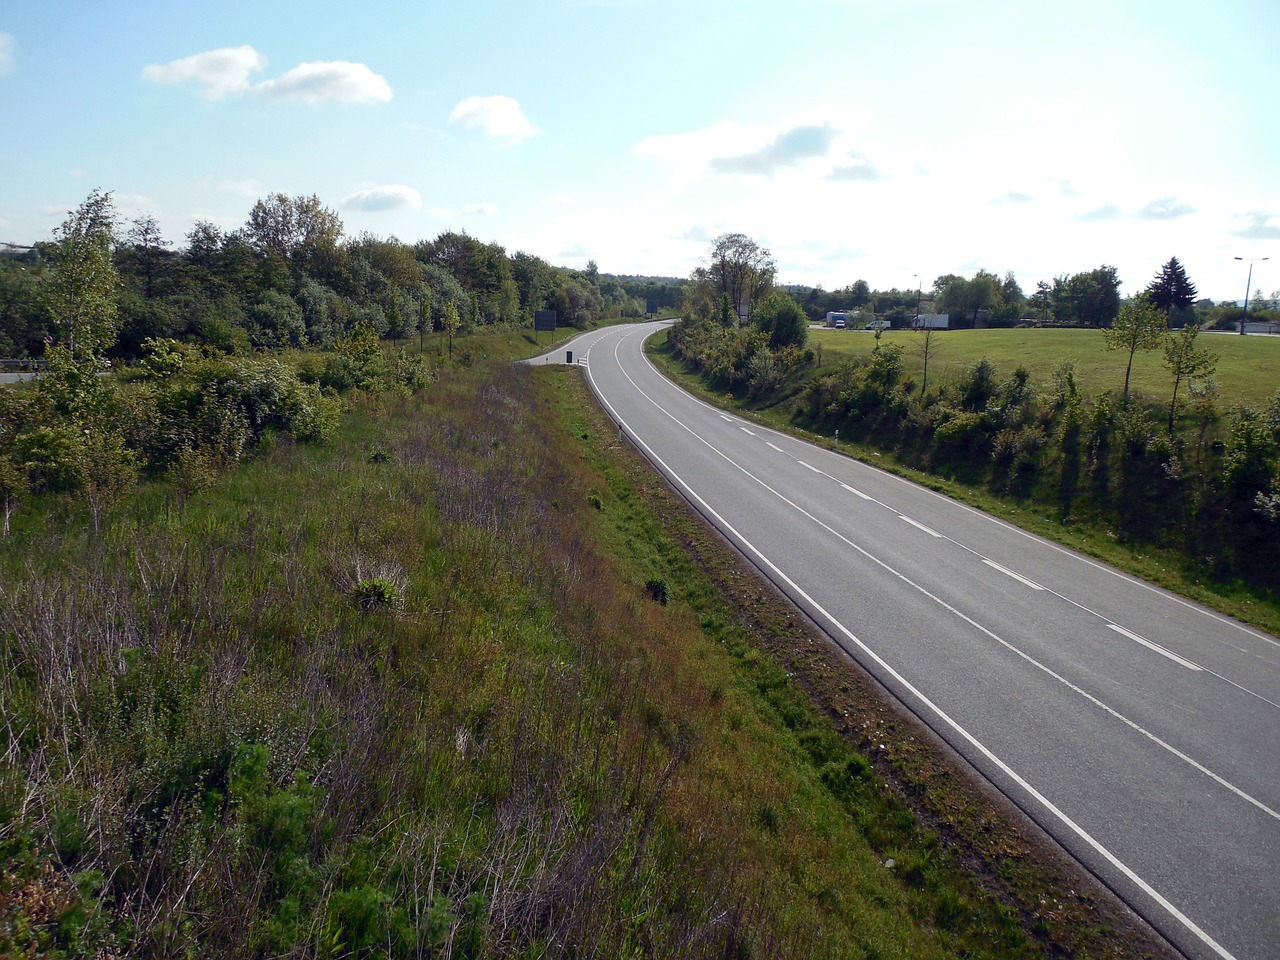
(290, 276)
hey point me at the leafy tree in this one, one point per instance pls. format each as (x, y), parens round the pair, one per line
(1186, 361)
(82, 294)
(1042, 300)
(782, 319)
(1140, 326)
(1171, 289)
(738, 267)
(968, 298)
(293, 228)
(149, 247)
(1091, 298)
(450, 323)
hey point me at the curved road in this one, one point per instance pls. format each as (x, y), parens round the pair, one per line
(1140, 730)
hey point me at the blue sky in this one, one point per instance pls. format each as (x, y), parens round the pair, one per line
(885, 141)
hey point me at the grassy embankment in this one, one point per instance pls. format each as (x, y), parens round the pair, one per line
(1246, 374)
(390, 696)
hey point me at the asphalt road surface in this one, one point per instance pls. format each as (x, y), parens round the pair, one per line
(1140, 730)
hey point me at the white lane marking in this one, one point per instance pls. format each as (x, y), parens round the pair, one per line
(946, 719)
(746, 431)
(919, 526)
(1037, 539)
(726, 419)
(1156, 647)
(1151, 588)
(859, 493)
(1009, 573)
(773, 446)
(807, 467)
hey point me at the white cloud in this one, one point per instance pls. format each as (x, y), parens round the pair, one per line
(395, 196)
(242, 188)
(1167, 208)
(221, 72)
(1259, 226)
(320, 81)
(6, 54)
(227, 70)
(1013, 196)
(498, 117)
(817, 141)
(482, 209)
(1108, 211)
(788, 149)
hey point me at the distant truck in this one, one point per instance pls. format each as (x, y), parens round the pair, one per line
(838, 319)
(932, 321)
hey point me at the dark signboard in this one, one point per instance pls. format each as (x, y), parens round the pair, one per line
(544, 320)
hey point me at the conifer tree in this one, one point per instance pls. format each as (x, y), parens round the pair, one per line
(1171, 288)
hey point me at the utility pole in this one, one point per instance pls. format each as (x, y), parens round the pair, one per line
(1247, 285)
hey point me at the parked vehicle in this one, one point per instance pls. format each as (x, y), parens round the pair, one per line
(879, 325)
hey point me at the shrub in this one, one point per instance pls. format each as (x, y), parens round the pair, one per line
(377, 593)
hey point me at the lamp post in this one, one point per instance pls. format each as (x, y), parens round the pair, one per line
(1247, 285)
(919, 282)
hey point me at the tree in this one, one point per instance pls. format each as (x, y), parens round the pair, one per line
(968, 298)
(450, 323)
(1171, 289)
(82, 294)
(738, 267)
(1140, 326)
(783, 320)
(1186, 362)
(1042, 300)
(144, 235)
(298, 228)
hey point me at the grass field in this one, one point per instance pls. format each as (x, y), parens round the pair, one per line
(1248, 367)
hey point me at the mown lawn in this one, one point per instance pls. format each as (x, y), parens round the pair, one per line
(1248, 367)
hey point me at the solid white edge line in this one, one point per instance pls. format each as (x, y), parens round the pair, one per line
(1156, 647)
(1009, 573)
(1003, 767)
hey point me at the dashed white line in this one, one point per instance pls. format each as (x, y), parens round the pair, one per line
(859, 493)
(747, 432)
(917, 524)
(1156, 647)
(1009, 573)
(773, 446)
(809, 467)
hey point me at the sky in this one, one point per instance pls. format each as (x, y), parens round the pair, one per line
(891, 142)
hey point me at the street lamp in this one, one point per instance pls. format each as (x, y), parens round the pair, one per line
(919, 283)
(1247, 284)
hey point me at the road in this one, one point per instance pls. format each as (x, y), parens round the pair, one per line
(1140, 730)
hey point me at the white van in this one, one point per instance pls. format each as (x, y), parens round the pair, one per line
(879, 325)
